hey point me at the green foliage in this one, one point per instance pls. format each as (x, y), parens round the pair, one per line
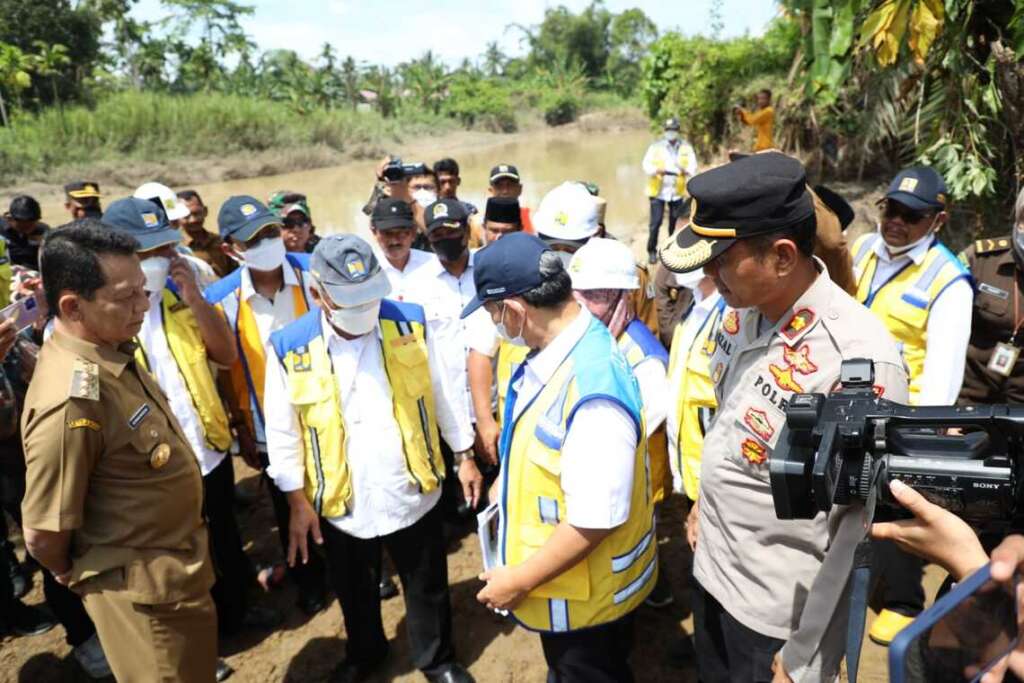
(480, 102)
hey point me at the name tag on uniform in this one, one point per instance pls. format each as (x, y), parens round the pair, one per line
(994, 291)
(138, 416)
(1003, 359)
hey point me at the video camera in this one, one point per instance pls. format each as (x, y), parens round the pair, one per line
(847, 447)
(396, 170)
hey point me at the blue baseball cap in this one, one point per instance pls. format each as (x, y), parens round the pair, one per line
(920, 188)
(242, 216)
(143, 220)
(506, 268)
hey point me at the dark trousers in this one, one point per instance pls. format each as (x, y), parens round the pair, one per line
(235, 573)
(592, 655)
(64, 603)
(418, 554)
(309, 578)
(727, 651)
(657, 213)
(897, 577)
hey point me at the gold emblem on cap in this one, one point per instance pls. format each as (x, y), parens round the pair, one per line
(440, 210)
(356, 267)
(150, 220)
(908, 184)
(247, 210)
(160, 455)
(685, 259)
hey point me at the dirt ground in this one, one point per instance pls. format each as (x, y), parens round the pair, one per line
(494, 650)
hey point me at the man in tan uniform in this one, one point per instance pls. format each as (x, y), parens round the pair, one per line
(770, 596)
(113, 502)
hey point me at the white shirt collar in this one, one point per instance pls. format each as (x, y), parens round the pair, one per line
(916, 254)
(547, 360)
(290, 280)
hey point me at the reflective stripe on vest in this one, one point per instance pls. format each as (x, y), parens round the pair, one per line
(619, 573)
(186, 346)
(905, 300)
(313, 392)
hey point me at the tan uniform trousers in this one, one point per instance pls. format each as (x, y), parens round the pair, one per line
(174, 641)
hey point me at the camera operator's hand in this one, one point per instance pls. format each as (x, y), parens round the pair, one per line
(8, 335)
(1007, 560)
(692, 520)
(934, 534)
(779, 674)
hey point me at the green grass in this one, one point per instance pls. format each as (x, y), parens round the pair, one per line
(149, 126)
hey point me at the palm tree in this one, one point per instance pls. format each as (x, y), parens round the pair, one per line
(15, 75)
(49, 61)
(494, 60)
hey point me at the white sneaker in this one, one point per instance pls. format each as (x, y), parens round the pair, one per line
(90, 657)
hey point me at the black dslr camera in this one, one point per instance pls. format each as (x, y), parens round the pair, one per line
(847, 447)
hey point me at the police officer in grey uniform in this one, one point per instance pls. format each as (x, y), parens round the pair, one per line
(770, 595)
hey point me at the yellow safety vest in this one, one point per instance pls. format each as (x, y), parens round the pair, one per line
(189, 352)
(509, 357)
(905, 300)
(6, 274)
(696, 402)
(661, 161)
(619, 573)
(637, 343)
(313, 392)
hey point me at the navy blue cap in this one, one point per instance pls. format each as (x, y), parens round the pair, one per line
(143, 220)
(920, 188)
(446, 212)
(242, 216)
(506, 268)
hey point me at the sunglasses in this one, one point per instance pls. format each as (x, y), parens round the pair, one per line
(289, 223)
(891, 209)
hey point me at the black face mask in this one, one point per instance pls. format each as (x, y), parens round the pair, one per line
(449, 249)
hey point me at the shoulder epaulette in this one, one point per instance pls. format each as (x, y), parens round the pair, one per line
(989, 245)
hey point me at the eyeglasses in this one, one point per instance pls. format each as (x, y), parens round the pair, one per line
(893, 209)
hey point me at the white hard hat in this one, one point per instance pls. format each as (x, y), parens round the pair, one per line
(603, 263)
(156, 192)
(568, 212)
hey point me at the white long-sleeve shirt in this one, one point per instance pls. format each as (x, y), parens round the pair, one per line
(402, 281)
(383, 499)
(665, 155)
(949, 327)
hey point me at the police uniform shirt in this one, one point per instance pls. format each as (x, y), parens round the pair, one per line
(401, 289)
(165, 368)
(949, 326)
(383, 499)
(107, 460)
(779, 578)
(599, 449)
(998, 315)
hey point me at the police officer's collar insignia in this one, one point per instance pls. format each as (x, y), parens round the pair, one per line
(138, 416)
(754, 452)
(799, 359)
(986, 246)
(731, 323)
(798, 326)
(85, 380)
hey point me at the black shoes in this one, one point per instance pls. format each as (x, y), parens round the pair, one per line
(21, 579)
(388, 589)
(224, 670)
(26, 620)
(312, 603)
(352, 672)
(455, 673)
(262, 618)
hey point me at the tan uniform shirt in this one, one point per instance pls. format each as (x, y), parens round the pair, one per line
(762, 570)
(208, 249)
(643, 299)
(107, 460)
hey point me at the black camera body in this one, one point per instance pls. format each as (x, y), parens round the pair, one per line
(846, 447)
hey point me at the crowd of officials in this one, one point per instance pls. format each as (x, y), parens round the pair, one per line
(515, 363)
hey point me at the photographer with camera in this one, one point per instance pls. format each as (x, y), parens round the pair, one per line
(769, 595)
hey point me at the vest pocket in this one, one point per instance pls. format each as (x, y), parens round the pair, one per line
(414, 368)
(573, 584)
(309, 388)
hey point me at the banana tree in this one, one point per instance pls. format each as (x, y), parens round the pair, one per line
(15, 75)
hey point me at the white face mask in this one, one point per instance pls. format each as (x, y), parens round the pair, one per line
(899, 251)
(265, 256)
(689, 280)
(506, 335)
(156, 268)
(356, 320)
(671, 135)
(424, 197)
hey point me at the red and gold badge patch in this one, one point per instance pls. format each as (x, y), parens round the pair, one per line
(784, 378)
(879, 390)
(758, 422)
(800, 321)
(799, 359)
(731, 322)
(753, 451)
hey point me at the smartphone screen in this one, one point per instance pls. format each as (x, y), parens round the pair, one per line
(23, 312)
(963, 635)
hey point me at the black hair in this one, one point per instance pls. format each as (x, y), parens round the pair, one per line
(426, 170)
(68, 260)
(23, 204)
(766, 91)
(189, 195)
(446, 165)
(557, 286)
(802, 234)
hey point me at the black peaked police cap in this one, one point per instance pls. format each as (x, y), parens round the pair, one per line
(757, 195)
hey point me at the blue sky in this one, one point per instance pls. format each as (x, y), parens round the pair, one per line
(384, 32)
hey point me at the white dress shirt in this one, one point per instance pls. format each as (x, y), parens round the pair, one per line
(443, 296)
(599, 447)
(949, 327)
(163, 366)
(273, 314)
(383, 499)
(400, 279)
